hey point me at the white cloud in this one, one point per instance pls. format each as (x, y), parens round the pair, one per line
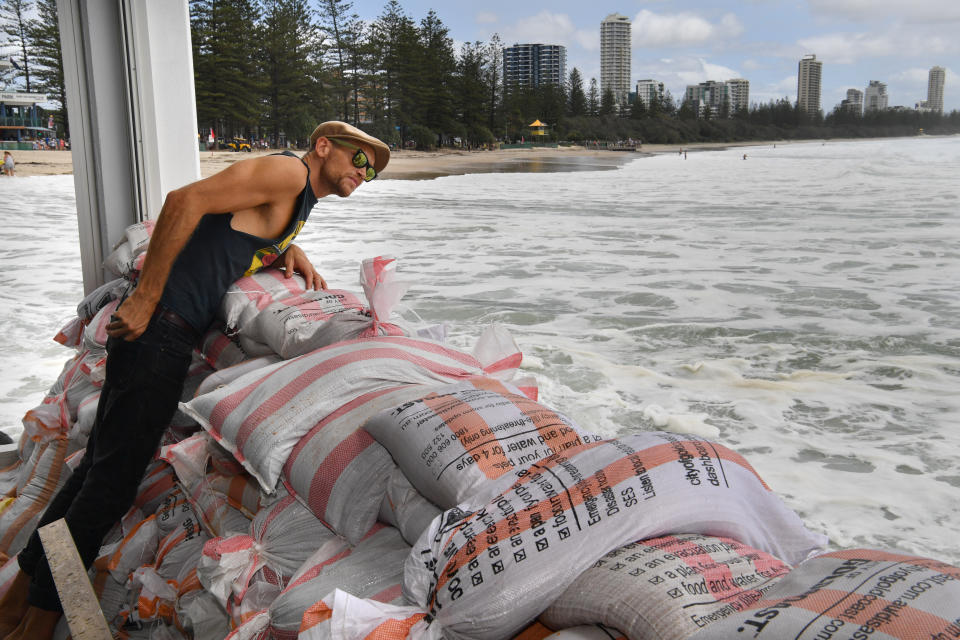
(485, 17)
(848, 48)
(681, 29)
(551, 28)
(784, 88)
(914, 11)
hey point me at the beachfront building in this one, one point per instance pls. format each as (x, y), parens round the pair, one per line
(935, 89)
(853, 102)
(615, 54)
(738, 89)
(715, 99)
(875, 97)
(21, 122)
(809, 77)
(649, 91)
(531, 65)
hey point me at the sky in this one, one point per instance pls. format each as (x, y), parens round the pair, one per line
(682, 42)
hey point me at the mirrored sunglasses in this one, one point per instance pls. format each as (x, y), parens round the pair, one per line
(360, 159)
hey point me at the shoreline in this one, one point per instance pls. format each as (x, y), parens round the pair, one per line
(426, 165)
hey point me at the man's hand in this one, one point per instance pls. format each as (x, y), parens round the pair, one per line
(130, 320)
(294, 260)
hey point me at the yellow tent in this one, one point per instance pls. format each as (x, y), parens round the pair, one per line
(539, 129)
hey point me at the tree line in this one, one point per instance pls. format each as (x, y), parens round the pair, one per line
(273, 69)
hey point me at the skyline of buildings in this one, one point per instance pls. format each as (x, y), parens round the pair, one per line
(615, 55)
(521, 68)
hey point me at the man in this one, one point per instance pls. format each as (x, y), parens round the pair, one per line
(195, 253)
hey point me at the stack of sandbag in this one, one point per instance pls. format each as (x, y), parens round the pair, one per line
(302, 417)
(56, 431)
(126, 259)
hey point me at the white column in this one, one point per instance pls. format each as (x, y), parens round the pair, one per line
(129, 78)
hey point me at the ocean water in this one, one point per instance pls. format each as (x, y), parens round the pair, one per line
(801, 306)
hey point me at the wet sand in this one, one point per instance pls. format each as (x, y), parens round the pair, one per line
(422, 165)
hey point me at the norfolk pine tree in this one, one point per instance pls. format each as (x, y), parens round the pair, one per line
(13, 14)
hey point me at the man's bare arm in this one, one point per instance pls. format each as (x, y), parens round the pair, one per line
(244, 185)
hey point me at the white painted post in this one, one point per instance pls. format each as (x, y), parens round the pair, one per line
(128, 73)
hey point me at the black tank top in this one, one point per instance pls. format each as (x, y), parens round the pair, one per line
(217, 254)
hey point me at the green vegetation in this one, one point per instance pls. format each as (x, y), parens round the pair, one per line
(275, 68)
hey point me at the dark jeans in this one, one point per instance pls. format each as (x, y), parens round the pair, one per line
(138, 399)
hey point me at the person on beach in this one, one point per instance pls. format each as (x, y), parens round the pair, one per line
(9, 167)
(195, 253)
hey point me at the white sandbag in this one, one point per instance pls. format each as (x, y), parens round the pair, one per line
(294, 325)
(221, 350)
(405, 508)
(99, 297)
(57, 413)
(8, 572)
(498, 353)
(282, 537)
(39, 480)
(126, 259)
(342, 616)
(224, 376)
(158, 483)
(383, 289)
(488, 573)
(252, 293)
(666, 588)
(70, 334)
(373, 569)
(200, 617)
(86, 417)
(253, 348)
(95, 334)
(261, 416)
(179, 550)
(855, 594)
(337, 469)
(138, 547)
(454, 441)
(190, 459)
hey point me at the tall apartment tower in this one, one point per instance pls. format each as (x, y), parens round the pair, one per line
(875, 97)
(615, 57)
(648, 91)
(531, 65)
(739, 91)
(854, 102)
(809, 76)
(935, 89)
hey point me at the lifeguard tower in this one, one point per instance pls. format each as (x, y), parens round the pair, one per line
(21, 122)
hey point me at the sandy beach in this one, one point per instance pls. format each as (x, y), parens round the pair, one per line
(418, 165)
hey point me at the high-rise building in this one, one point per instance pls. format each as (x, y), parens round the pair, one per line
(853, 102)
(875, 97)
(709, 96)
(648, 91)
(615, 54)
(531, 65)
(718, 97)
(809, 76)
(935, 89)
(739, 91)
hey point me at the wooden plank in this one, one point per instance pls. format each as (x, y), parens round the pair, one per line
(80, 604)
